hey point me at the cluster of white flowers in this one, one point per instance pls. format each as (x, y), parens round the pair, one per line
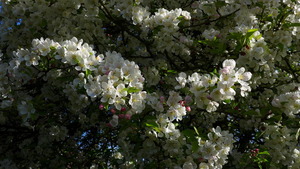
(282, 146)
(72, 52)
(139, 14)
(168, 19)
(288, 102)
(214, 151)
(116, 81)
(256, 52)
(210, 34)
(176, 111)
(209, 90)
(164, 23)
(127, 8)
(47, 59)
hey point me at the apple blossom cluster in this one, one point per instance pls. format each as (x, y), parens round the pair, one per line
(289, 103)
(163, 24)
(128, 8)
(209, 90)
(46, 61)
(210, 153)
(256, 52)
(282, 146)
(116, 81)
(215, 150)
(176, 112)
(166, 24)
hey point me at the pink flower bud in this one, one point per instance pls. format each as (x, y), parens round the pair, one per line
(101, 106)
(123, 109)
(188, 108)
(182, 102)
(121, 116)
(127, 116)
(113, 111)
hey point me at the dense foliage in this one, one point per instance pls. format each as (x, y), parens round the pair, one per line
(185, 84)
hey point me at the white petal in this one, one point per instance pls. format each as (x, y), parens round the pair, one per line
(230, 63)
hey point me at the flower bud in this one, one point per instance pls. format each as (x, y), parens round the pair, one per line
(113, 111)
(101, 106)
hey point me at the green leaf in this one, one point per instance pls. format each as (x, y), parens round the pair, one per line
(235, 35)
(196, 130)
(88, 72)
(190, 135)
(132, 90)
(215, 71)
(152, 124)
(250, 33)
(258, 36)
(227, 101)
(264, 152)
(252, 30)
(203, 41)
(180, 17)
(106, 107)
(172, 71)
